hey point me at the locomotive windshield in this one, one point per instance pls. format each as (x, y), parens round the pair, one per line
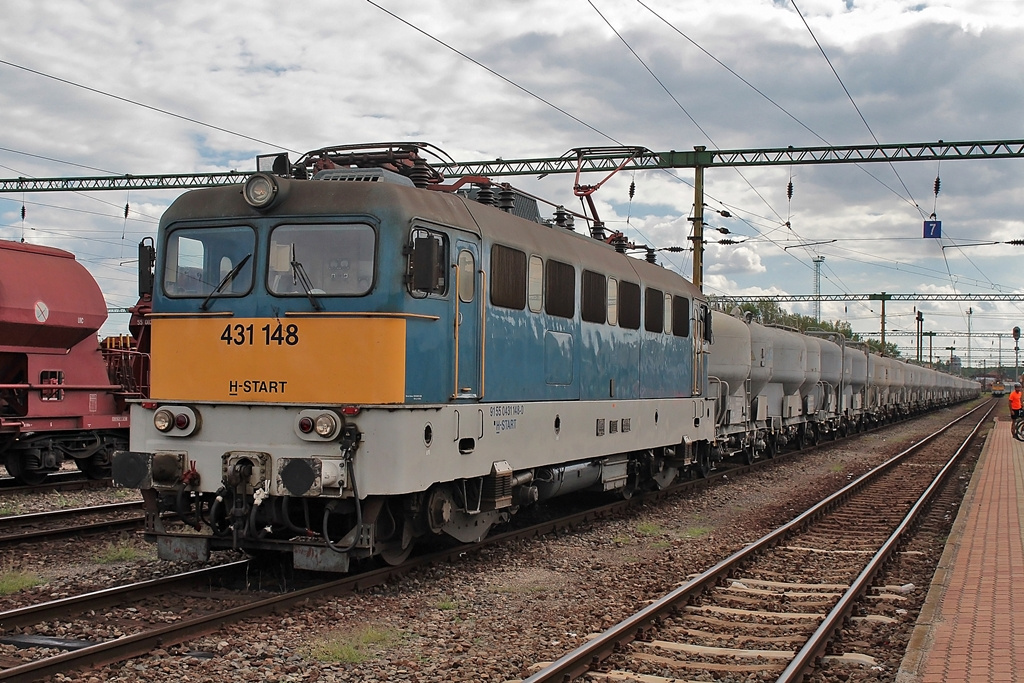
(205, 262)
(334, 259)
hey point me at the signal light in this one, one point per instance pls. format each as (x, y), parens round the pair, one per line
(1016, 333)
(306, 425)
(181, 421)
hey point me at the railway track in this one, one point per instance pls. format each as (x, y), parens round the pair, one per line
(58, 481)
(778, 605)
(38, 526)
(121, 625)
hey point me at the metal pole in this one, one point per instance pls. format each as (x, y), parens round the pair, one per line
(920, 329)
(883, 323)
(698, 223)
(970, 312)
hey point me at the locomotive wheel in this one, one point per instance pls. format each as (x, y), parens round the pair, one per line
(395, 530)
(395, 555)
(23, 475)
(93, 470)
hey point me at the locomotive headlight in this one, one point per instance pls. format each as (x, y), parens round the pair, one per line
(260, 190)
(163, 420)
(318, 424)
(177, 421)
(326, 425)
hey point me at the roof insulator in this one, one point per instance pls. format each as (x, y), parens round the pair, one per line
(938, 183)
(789, 190)
(632, 189)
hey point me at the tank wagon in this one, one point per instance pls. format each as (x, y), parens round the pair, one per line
(349, 357)
(775, 387)
(62, 393)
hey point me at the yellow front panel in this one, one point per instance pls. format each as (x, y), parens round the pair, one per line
(279, 360)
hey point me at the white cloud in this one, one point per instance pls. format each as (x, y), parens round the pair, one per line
(305, 75)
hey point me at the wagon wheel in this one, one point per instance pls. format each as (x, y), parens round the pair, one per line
(771, 446)
(748, 455)
(92, 468)
(24, 475)
(813, 436)
(702, 467)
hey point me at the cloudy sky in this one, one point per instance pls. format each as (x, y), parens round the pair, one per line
(181, 86)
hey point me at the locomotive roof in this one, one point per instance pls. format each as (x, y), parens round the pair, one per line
(403, 205)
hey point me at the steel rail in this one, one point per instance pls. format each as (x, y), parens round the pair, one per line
(580, 660)
(830, 626)
(107, 597)
(64, 532)
(62, 481)
(29, 518)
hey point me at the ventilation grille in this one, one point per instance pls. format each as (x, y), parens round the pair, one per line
(363, 175)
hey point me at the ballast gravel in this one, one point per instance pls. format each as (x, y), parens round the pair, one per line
(492, 616)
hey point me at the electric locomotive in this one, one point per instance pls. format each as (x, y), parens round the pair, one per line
(349, 355)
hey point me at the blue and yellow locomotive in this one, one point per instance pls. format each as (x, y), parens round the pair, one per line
(348, 356)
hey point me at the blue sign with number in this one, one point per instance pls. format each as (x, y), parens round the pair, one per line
(933, 228)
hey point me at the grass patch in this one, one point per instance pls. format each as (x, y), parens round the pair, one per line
(836, 467)
(117, 552)
(10, 509)
(649, 529)
(661, 545)
(14, 580)
(697, 531)
(353, 647)
(446, 603)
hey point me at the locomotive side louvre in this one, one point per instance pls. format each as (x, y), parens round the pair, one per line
(527, 361)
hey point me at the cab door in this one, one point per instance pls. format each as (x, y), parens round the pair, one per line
(468, 319)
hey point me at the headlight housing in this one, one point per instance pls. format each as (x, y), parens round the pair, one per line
(318, 425)
(176, 421)
(260, 190)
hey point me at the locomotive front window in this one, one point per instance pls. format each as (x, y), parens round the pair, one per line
(199, 260)
(337, 259)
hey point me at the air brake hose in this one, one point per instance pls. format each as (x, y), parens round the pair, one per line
(359, 518)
